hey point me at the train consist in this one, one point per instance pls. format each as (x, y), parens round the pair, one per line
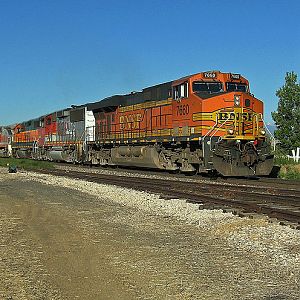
(206, 122)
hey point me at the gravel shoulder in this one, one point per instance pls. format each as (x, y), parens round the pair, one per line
(69, 239)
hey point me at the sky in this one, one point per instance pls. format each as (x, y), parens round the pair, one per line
(58, 53)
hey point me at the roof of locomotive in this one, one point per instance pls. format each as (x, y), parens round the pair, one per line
(157, 92)
(152, 93)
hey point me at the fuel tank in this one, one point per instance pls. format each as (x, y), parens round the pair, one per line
(136, 156)
(59, 154)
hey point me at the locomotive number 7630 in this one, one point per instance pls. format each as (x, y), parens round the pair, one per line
(183, 110)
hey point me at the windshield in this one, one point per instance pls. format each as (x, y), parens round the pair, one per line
(236, 87)
(208, 87)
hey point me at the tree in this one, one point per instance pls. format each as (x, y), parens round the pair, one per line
(287, 116)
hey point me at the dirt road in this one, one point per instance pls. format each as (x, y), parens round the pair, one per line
(60, 243)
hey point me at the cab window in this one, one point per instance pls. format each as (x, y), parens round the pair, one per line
(207, 87)
(236, 87)
(180, 91)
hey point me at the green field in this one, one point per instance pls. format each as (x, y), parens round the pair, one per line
(26, 164)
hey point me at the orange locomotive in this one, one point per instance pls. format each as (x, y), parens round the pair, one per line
(200, 123)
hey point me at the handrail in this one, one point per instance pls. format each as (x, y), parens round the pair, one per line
(217, 130)
(211, 128)
(270, 133)
(208, 132)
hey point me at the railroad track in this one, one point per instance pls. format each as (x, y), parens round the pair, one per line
(244, 198)
(255, 181)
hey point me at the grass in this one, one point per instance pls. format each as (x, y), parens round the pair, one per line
(283, 160)
(290, 171)
(26, 164)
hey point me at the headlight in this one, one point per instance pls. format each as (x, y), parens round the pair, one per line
(230, 131)
(237, 100)
(262, 132)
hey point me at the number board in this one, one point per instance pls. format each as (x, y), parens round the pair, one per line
(235, 76)
(183, 110)
(209, 75)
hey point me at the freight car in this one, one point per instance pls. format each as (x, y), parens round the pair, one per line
(201, 123)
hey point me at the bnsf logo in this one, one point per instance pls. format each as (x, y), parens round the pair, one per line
(231, 116)
(130, 121)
